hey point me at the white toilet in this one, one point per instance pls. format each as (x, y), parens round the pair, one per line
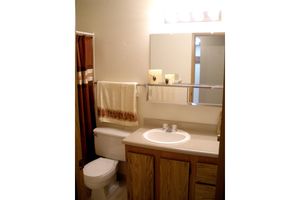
(100, 174)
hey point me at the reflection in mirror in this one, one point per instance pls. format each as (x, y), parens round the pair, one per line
(172, 53)
(207, 67)
(195, 59)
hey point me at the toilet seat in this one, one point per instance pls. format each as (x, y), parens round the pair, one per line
(100, 169)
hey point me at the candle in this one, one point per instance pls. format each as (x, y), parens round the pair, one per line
(170, 78)
(155, 76)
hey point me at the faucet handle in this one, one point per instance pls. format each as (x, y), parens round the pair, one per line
(165, 126)
(174, 127)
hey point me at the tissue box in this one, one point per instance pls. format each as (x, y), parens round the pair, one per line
(154, 76)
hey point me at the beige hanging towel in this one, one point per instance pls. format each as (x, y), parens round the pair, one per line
(116, 102)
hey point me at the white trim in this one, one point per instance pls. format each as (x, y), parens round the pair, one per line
(88, 71)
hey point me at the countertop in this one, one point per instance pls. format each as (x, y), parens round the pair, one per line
(202, 143)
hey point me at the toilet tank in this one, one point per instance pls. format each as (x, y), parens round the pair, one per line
(108, 143)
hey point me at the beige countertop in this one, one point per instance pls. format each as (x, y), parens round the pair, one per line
(201, 143)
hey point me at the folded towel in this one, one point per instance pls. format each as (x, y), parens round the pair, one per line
(116, 102)
(172, 95)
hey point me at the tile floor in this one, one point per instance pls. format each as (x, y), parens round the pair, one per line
(119, 194)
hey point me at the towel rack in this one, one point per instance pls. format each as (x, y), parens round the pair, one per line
(185, 85)
(95, 82)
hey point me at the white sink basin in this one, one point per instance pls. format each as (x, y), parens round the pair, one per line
(159, 135)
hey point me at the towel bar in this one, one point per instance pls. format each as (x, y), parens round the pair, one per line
(182, 85)
(137, 84)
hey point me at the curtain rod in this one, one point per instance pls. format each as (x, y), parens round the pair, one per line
(84, 33)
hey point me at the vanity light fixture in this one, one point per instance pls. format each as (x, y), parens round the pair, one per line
(188, 11)
(188, 17)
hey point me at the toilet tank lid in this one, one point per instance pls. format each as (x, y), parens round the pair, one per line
(112, 131)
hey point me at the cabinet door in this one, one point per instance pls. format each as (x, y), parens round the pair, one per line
(174, 179)
(205, 192)
(140, 176)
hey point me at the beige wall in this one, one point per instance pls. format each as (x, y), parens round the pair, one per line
(122, 30)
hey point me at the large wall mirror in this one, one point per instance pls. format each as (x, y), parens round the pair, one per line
(197, 58)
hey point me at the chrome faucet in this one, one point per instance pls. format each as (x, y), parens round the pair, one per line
(174, 127)
(169, 129)
(165, 126)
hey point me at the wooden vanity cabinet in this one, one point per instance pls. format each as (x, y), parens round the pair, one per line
(163, 175)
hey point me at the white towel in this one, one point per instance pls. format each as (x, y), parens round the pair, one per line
(171, 95)
(116, 102)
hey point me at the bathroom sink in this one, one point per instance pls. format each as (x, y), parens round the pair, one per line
(159, 135)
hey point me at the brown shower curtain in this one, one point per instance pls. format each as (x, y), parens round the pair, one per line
(85, 95)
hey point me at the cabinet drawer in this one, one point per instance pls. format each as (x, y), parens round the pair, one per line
(205, 192)
(206, 173)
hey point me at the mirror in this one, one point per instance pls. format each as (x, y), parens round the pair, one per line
(196, 58)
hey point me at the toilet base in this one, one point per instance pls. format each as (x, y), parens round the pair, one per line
(111, 189)
(105, 193)
(98, 194)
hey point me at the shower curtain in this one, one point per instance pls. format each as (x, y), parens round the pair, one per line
(85, 95)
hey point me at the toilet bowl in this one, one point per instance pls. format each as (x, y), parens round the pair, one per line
(100, 175)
